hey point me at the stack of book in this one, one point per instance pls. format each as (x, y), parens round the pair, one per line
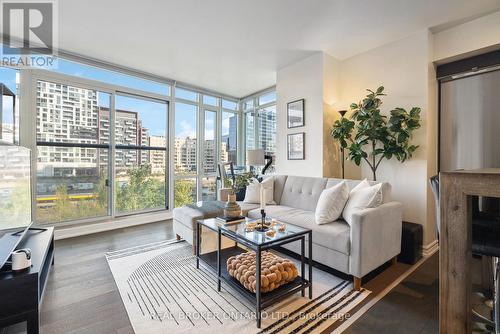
(231, 220)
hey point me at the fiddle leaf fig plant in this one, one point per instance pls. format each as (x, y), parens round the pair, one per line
(370, 136)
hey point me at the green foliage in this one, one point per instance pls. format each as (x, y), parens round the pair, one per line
(142, 191)
(241, 181)
(102, 192)
(369, 136)
(62, 205)
(183, 192)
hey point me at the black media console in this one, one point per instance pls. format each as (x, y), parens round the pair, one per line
(21, 293)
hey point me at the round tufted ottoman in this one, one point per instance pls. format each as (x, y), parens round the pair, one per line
(275, 271)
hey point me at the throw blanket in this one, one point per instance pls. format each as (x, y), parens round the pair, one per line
(208, 207)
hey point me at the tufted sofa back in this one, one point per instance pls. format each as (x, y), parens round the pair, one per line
(303, 192)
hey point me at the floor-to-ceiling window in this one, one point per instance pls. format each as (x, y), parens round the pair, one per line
(108, 144)
(229, 137)
(209, 156)
(185, 153)
(214, 121)
(259, 112)
(140, 154)
(100, 150)
(72, 152)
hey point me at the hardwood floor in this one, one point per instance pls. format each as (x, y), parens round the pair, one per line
(415, 301)
(81, 296)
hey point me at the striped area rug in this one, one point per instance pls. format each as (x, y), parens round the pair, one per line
(163, 292)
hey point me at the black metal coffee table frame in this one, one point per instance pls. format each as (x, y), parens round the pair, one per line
(216, 261)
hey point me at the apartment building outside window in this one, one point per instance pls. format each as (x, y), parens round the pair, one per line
(215, 121)
(260, 122)
(102, 139)
(74, 153)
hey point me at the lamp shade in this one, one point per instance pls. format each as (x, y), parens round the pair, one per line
(342, 112)
(256, 157)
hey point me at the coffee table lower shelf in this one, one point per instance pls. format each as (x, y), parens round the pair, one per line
(268, 298)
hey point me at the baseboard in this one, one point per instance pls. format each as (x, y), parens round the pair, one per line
(108, 225)
(430, 248)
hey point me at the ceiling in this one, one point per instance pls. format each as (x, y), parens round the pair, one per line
(236, 46)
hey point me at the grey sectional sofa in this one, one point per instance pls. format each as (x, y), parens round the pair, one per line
(373, 238)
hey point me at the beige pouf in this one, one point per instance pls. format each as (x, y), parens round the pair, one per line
(275, 271)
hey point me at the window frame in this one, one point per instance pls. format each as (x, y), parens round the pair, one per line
(255, 108)
(28, 135)
(200, 135)
(28, 118)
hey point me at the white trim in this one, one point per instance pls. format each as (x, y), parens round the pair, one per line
(430, 248)
(109, 66)
(381, 295)
(109, 224)
(258, 93)
(91, 84)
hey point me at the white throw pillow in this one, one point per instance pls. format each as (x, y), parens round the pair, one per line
(331, 202)
(252, 194)
(361, 197)
(361, 185)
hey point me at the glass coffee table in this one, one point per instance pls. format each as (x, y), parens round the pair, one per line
(258, 242)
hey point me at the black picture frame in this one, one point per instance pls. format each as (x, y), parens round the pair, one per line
(296, 109)
(299, 153)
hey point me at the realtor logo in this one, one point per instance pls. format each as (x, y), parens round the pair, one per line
(29, 33)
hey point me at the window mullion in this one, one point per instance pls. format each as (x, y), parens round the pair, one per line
(111, 158)
(200, 133)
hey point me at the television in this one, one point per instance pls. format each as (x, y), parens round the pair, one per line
(15, 197)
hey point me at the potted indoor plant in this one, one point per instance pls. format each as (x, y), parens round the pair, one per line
(371, 137)
(240, 184)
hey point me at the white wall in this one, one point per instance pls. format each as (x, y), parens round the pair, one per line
(302, 80)
(479, 34)
(331, 97)
(402, 68)
(406, 69)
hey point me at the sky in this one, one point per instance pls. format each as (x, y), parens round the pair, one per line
(151, 113)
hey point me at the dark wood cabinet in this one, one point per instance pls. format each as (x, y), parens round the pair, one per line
(21, 293)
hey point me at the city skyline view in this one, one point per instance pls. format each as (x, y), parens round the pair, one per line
(81, 116)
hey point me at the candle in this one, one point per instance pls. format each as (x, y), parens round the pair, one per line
(264, 197)
(262, 204)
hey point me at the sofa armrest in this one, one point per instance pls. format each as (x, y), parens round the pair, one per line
(223, 193)
(375, 237)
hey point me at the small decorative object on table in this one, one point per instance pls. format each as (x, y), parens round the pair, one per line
(275, 271)
(262, 227)
(271, 233)
(232, 211)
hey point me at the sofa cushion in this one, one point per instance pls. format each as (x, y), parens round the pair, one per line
(386, 187)
(188, 216)
(279, 184)
(363, 196)
(245, 207)
(253, 191)
(302, 192)
(275, 211)
(334, 235)
(331, 202)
